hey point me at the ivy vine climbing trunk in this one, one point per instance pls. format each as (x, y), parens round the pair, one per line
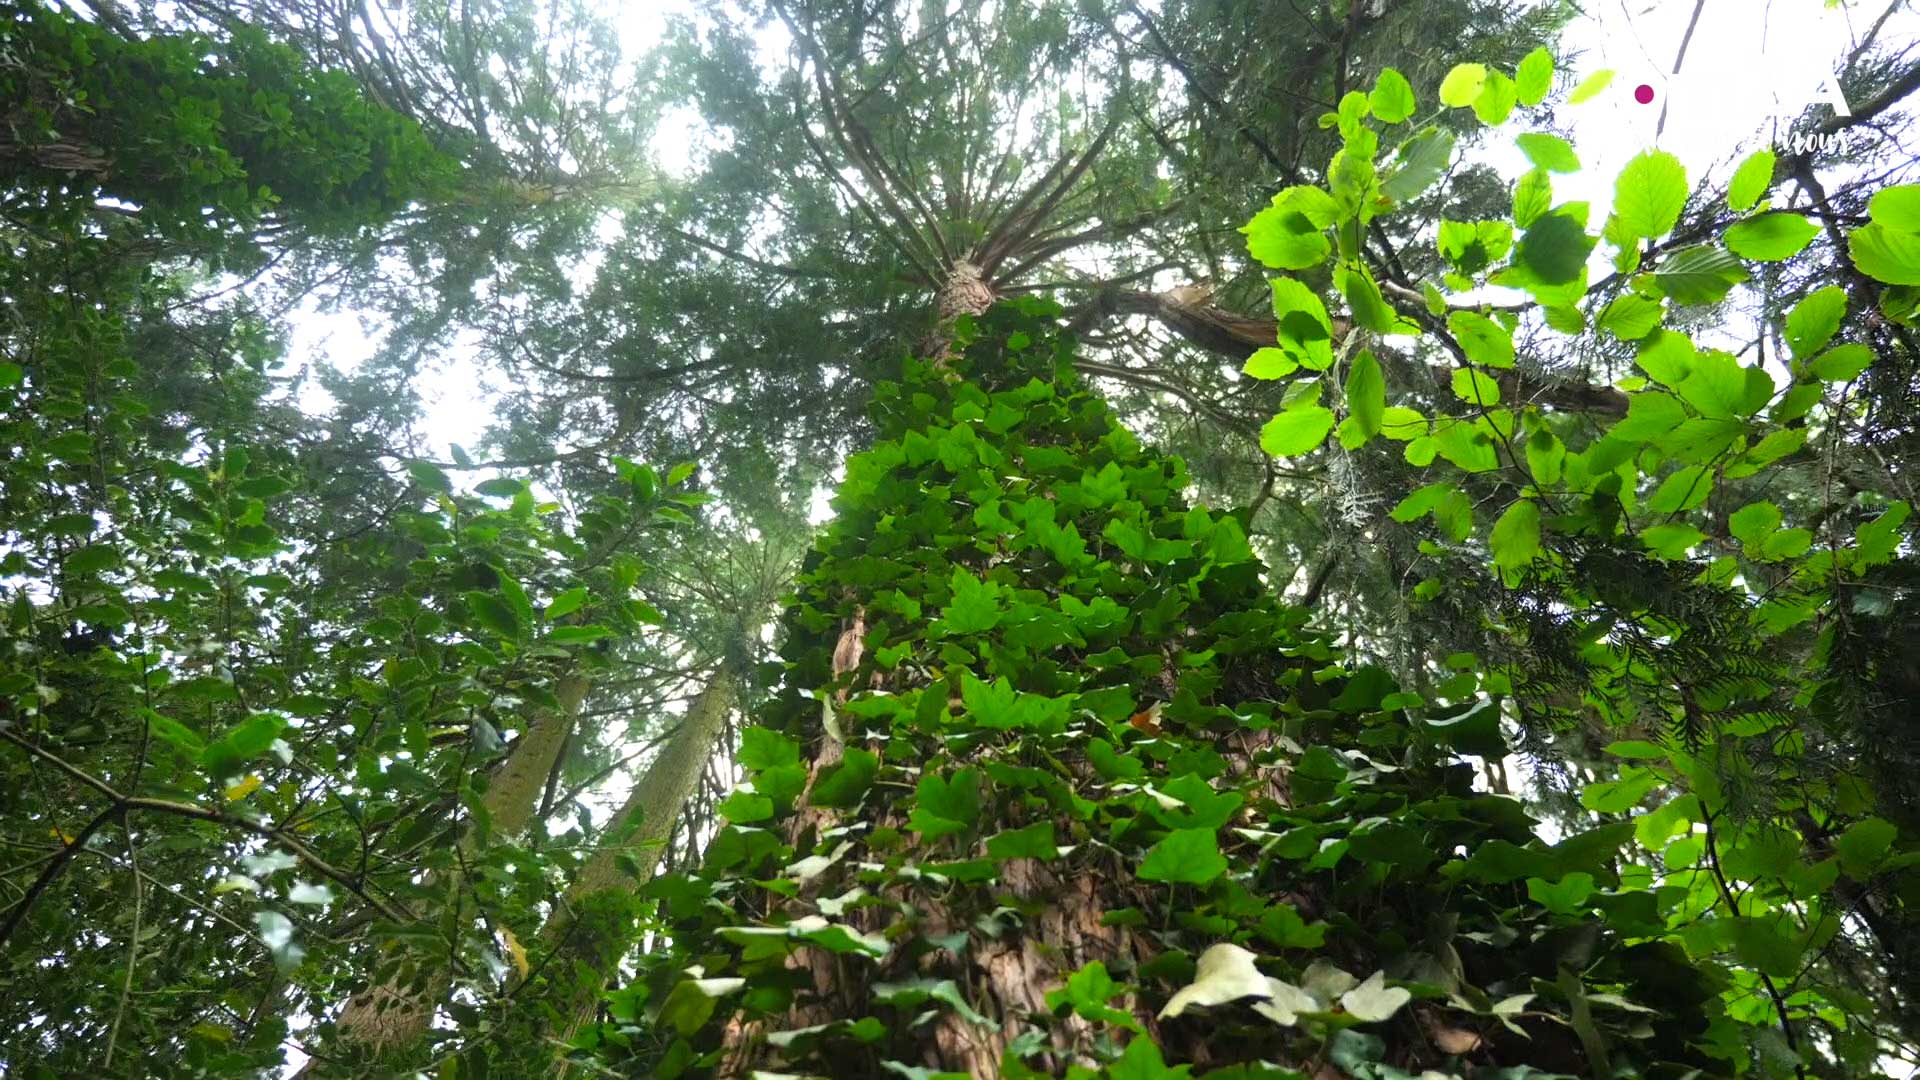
(392, 1014)
(1053, 784)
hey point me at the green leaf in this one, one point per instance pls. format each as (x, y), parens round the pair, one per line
(1392, 98)
(764, 748)
(975, 607)
(1363, 298)
(1672, 540)
(1750, 181)
(1754, 522)
(1515, 540)
(1494, 104)
(1554, 249)
(1290, 234)
(1366, 394)
(1485, 341)
(1549, 152)
(1864, 846)
(845, 781)
(276, 930)
(1631, 316)
(1568, 896)
(690, 1003)
(1699, 275)
(1885, 254)
(240, 744)
(1420, 161)
(1306, 332)
(1191, 856)
(1649, 194)
(1591, 87)
(1686, 489)
(1842, 363)
(1475, 387)
(1533, 79)
(1814, 320)
(1463, 85)
(1532, 197)
(567, 602)
(1619, 796)
(492, 612)
(1296, 431)
(1771, 237)
(1270, 363)
(1033, 842)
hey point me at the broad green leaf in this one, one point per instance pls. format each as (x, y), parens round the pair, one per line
(763, 748)
(1897, 207)
(1363, 298)
(1366, 394)
(1290, 233)
(691, 1002)
(1532, 197)
(1591, 87)
(1750, 180)
(1618, 796)
(567, 602)
(1032, 842)
(1568, 896)
(1420, 161)
(1392, 98)
(845, 781)
(1864, 845)
(1554, 249)
(1485, 341)
(1296, 431)
(1270, 363)
(1754, 522)
(493, 613)
(1534, 77)
(1886, 254)
(1699, 275)
(1494, 104)
(1686, 489)
(1631, 316)
(1842, 363)
(1672, 540)
(1462, 85)
(1814, 320)
(1306, 331)
(1400, 423)
(1771, 237)
(240, 744)
(1475, 387)
(1515, 540)
(1649, 194)
(1548, 151)
(1189, 856)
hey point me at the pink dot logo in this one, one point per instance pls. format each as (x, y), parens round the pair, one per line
(1643, 94)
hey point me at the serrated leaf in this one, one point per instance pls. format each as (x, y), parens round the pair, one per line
(1296, 431)
(1649, 194)
(1533, 79)
(1750, 180)
(1392, 98)
(1462, 85)
(1771, 237)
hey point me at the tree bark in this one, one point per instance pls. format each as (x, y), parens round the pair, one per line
(393, 1015)
(638, 830)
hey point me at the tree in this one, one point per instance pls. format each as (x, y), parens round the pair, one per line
(1049, 770)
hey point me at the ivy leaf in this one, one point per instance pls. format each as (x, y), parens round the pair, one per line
(764, 748)
(1373, 1000)
(1296, 431)
(1191, 856)
(845, 781)
(1649, 194)
(1088, 990)
(1033, 842)
(1225, 972)
(1771, 237)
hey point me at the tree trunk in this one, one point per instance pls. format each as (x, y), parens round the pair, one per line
(580, 930)
(1090, 796)
(393, 1015)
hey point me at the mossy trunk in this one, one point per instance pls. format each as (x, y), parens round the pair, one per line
(588, 929)
(392, 1015)
(1081, 797)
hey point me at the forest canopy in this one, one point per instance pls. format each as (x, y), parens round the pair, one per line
(846, 538)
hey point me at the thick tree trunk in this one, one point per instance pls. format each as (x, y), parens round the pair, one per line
(394, 1014)
(581, 934)
(1078, 758)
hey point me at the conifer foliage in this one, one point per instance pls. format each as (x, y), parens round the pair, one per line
(1053, 785)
